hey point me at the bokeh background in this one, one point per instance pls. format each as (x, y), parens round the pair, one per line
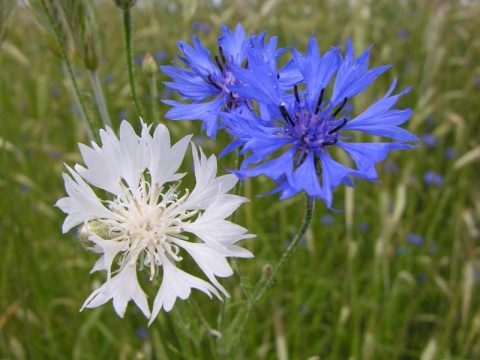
(394, 275)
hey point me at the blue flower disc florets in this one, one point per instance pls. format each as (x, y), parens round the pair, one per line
(312, 129)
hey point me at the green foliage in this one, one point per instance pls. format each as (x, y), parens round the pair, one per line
(357, 289)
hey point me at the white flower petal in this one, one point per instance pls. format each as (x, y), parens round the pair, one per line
(211, 261)
(110, 249)
(207, 188)
(82, 204)
(165, 161)
(122, 288)
(177, 283)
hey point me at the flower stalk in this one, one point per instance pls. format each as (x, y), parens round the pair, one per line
(127, 27)
(99, 98)
(91, 132)
(309, 209)
(243, 315)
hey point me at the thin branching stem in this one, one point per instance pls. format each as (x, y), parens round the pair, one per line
(92, 133)
(127, 27)
(99, 98)
(309, 208)
(239, 322)
(154, 96)
(244, 284)
(212, 334)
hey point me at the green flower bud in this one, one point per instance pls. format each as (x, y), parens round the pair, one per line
(90, 54)
(149, 66)
(92, 227)
(124, 4)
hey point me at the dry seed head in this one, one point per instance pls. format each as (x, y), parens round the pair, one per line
(124, 4)
(90, 54)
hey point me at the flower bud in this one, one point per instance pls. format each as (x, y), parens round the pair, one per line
(90, 54)
(149, 66)
(52, 44)
(92, 227)
(124, 4)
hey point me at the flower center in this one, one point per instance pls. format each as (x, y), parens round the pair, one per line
(227, 78)
(149, 222)
(315, 129)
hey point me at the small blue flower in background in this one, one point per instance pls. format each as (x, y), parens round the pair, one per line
(327, 220)
(415, 239)
(432, 178)
(477, 81)
(201, 27)
(429, 140)
(306, 123)
(450, 153)
(138, 59)
(363, 227)
(122, 114)
(422, 277)
(390, 166)
(161, 56)
(142, 333)
(403, 34)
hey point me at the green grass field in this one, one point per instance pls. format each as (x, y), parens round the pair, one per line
(395, 275)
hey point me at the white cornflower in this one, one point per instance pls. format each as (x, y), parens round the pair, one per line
(146, 222)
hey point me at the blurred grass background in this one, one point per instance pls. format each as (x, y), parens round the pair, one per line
(395, 275)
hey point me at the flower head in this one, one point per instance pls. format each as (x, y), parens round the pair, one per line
(208, 82)
(292, 145)
(148, 222)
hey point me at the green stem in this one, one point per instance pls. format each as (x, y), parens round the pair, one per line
(211, 332)
(239, 322)
(127, 26)
(262, 287)
(99, 98)
(92, 133)
(244, 284)
(154, 96)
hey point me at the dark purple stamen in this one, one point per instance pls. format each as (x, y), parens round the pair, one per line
(295, 90)
(219, 64)
(232, 97)
(319, 101)
(210, 80)
(331, 142)
(339, 108)
(222, 54)
(338, 127)
(278, 76)
(285, 114)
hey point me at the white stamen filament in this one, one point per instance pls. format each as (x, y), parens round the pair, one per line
(149, 222)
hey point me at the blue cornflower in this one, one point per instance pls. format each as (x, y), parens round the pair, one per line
(201, 27)
(327, 220)
(432, 178)
(429, 140)
(415, 239)
(207, 82)
(450, 153)
(292, 144)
